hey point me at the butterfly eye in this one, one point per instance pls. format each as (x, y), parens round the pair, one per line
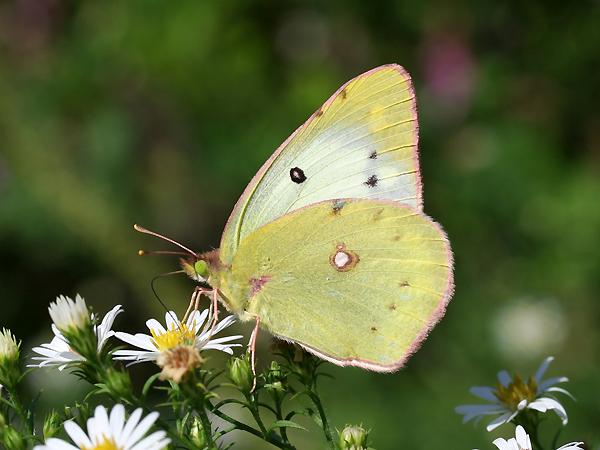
(201, 267)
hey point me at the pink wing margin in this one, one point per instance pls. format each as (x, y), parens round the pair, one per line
(239, 207)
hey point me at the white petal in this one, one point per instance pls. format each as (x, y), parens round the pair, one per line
(571, 446)
(104, 329)
(76, 434)
(227, 339)
(542, 369)
(544, 403)
(196, 320)
(55, 444)
(502, 444)
(141, 429)
(226, 322)
(471, 411)
(522, 438)
(561, 390)
(504, 378)
(129, 427)
(550, 382)
(138, 340)
(117, 420)
(156, 326)
(155, 440)
(484, 392)
(501, 420)
(171, 320)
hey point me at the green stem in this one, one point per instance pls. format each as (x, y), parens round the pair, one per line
(247, 428)
(326, 430)
(279, 415)
(251, 399)
(196, 393)
(23, 413)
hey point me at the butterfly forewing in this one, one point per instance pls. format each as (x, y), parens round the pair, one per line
(362, 143)
(358, 282)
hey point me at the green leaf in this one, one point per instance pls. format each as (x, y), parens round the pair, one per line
(286, 424)
(148, 384)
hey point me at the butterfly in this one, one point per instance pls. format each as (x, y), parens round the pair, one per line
(328, 246)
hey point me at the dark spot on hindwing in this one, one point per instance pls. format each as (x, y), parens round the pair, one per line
(297, 175)
(373, 155)
(373, 328)
(372, 181)
(337, 206)
(319, 112)
(344, 94)
(404, 284)
(392, 307)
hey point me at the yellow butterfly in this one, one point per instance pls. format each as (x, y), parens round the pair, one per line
(328, 246)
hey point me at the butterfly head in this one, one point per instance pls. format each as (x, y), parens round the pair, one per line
(200, 267)
(197, 269)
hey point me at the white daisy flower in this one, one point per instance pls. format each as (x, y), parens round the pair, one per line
(112, 432)
(68, 314)
(513, 395)
(59, 353)
(196, 333)
(521, 441)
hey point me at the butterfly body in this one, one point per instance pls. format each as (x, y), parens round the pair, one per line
(328, 246)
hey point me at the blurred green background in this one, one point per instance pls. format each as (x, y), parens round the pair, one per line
(159, 113)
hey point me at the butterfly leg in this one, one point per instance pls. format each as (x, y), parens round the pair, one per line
(193, 302)
(252, 350)
(215, 308)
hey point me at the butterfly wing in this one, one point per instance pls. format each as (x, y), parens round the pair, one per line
(361, 143)
(357, 282)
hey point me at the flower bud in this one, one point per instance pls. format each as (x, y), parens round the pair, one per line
(275, 378)
(118, 383)
(9, 359)
(73, 320)
(52, 425)
(11, 439)
(241, 374)
(353, 437)
(197, 435)
(69, 315)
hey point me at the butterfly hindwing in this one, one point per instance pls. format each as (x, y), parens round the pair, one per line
(362, 143)
(358, 282)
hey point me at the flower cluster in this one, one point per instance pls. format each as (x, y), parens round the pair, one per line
(521, 402)
(106, 432)
(79, 343)
(512, 396)
(522, 441)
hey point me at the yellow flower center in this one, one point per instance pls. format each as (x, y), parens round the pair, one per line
(178, 334)
(517, 391)
(106, 444)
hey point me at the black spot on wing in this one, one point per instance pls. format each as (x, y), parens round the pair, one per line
(372, 181)
(297, 175)
(373, 155)
(337, 206)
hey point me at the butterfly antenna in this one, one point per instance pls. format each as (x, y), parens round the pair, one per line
(160, 252)
(158, 297)
(141, 229)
